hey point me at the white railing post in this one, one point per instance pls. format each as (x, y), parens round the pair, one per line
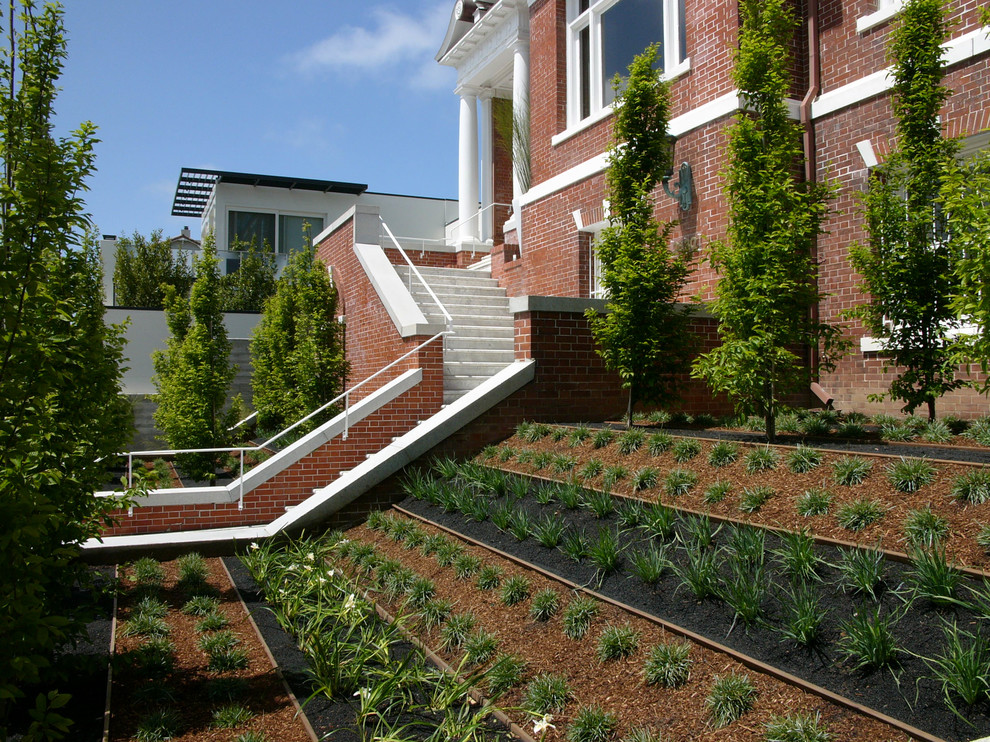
(240, 501)
(448, 320)
(347, 413)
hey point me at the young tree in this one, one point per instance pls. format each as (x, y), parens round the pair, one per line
(643, 334)
(61, 414)
(193, 373)
(767, 285)
(254, 281)
(297, 349)
(964, 200)
(907, 263)
(144, 267)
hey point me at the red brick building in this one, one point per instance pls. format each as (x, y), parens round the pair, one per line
(551, 61)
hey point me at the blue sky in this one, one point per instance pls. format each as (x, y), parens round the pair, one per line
(333, 89)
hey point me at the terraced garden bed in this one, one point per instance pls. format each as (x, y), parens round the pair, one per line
(189, 665)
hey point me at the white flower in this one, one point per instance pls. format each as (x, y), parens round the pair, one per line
(332, 573)
(350, 602)
(311, 557)
(254, 545)
(542, 725)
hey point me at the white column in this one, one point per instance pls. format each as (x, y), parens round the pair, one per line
(520, 99)
(487, 166)
(467, 171)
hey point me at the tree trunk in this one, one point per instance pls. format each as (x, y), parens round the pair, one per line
(629, 405)
(931, 410)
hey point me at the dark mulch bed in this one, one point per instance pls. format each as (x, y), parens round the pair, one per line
(908, 697)
(325, 715)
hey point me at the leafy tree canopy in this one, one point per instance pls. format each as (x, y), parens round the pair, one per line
(906, 264)
(61, 414)
(297, 349)
(643, 335)
(767, 284)
(144, 267)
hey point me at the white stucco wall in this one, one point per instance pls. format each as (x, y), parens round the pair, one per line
(148, 331)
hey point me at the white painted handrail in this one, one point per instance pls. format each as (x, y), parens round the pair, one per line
(248, 449)
(448, 320)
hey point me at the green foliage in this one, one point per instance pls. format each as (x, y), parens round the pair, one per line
(642, 336)
(193, 373)
(144, 267)
(814, 501)
(798, 727)
(297, 349)
(858, 514)
(767, 283)
(729, 698)
(617, 642)
(668, 664)
(593, 724)
(61, 414)
(907, 263)
(546, 693)
(247, 288)
(868, 640)
(544, 605)
(578, 615)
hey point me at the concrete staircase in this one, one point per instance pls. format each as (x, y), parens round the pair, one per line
(482, 343)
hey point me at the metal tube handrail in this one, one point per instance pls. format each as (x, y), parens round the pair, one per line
(476, 216)
(449, 320)
(345, 395)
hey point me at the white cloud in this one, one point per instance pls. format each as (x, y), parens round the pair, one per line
(394, 40)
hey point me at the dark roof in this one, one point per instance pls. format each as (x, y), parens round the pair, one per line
(192, 194)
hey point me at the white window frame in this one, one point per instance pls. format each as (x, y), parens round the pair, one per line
(886, 9)
(591, 19)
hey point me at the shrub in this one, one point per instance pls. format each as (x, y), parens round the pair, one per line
(578, 435)
(570, 495)
(698, 531)
(668, 664)
(435, 612)
(150, 607)
(192, 569)
(803, 459)
(857, 515)
(578, 615)
(910, 475)
(480, 647)
(599, 502)
(505, 673)
(754, 498)
(851, 430)
(146, 625)
(544, 605)
(723, 453)
(761, 459)
(230, 716)
(160, 724)
(923, 528)
(679, 482)
(699, 572)
(972, 488)
(617, 642)
(729, 698)
(868, 640)
(212, 621)
(421, 591)
(602, 438)
(575, 544)
(797, 727)
(546, 693)
(592, 724)
(897, 433)
(227, 660)
(716, 492)
(686, 449)
(147, 572)
(155, 657)
(514, 590)
(803, 614)
(603, 552)
(649, 564)
(983, 537)
(645, 478)
(936, 431)
(466, 565)
(548, 531)
(201, 605)
(520, 525)
(658, 443)
(932, 577)
(457, 630)
(861, 570)
(612, 475)
(561, 463)
(630, 441)
(591, 469)
(814, 501)
(850, 470)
